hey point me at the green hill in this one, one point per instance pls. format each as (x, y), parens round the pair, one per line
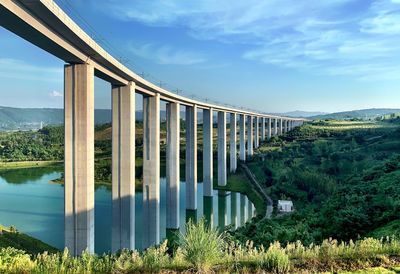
(31, 118)
(362, 114)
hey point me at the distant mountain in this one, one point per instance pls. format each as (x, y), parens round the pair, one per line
(304, 114)
(32, 118)
(365, 114)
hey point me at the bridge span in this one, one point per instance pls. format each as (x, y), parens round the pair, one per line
(44, 24)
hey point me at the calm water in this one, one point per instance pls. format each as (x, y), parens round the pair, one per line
(35, 206)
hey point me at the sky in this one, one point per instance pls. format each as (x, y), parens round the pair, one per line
(269, 55)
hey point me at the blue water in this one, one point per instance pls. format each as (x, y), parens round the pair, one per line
(34, 205)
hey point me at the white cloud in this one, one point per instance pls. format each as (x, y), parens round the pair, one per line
(55, 93)
(337, 37)
(166, 55)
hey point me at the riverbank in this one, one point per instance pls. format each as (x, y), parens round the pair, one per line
(28, 164)
(11, 237)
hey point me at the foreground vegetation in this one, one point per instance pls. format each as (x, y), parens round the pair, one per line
(203, 249)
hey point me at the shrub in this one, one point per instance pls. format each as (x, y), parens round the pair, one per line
(201, 246)
(155, 258)
(15, 261)
(276, 260)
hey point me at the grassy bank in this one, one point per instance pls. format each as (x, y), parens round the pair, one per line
(238, 182)
(204, 250)
(28, 164)
(10, 237)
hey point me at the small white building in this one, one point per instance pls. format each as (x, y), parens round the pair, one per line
(285, 206)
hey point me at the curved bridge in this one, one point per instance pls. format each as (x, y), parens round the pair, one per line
(43, 23)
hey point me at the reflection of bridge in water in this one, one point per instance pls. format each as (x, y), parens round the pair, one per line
(44, 24)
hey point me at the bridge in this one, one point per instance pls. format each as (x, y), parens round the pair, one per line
(44, 24)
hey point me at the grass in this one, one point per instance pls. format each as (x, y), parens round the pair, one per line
(28, 164)
(238, 182)
(205, 250)
(10, 237)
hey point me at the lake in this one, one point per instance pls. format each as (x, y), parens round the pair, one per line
(35, 206)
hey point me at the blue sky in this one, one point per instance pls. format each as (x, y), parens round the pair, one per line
(271, 55)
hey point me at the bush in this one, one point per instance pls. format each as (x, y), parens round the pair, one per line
(201, 246)
(14, 261)
(276, 260)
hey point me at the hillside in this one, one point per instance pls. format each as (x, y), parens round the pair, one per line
(10, 237)
(304, 114)
(342, 176)
(31, 118)
(363, 114)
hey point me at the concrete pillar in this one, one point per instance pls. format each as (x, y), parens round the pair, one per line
(242, 122)
(222, 209)
(208, 211)
(173, 166)
(222, 174)
(287, 126)
(280, 126)
(123, 167)
(263, 128)
(208, 152)
(269, 128)
(151, 170)
(79, 158)
(191, 157)
(250, 136)
(275, 126)
(246, 208)
(256, 132)
(243, 212)
(232, 141)
(249, 209)
(234, 213)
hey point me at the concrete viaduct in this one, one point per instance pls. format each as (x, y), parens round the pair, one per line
(44, 24)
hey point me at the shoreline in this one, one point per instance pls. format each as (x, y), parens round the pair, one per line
(29, 164)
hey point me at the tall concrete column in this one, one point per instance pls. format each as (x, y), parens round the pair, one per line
(249, 209)
(287, 125)
(208, 152)
(222, 209)
(280, 126)
(151, 170)
(232, 141)
(222, 174)
(173, 168)
(242, 122)
(243, 211)
(123, 167)
(256, 131)
(275, 126)
(208, 211)
(269, 128)
(263, 129)
(191, 157)
(250, 135)
(79, 158)
(234, 213)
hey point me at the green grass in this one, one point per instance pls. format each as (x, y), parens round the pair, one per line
(238, 182)
(207, 251)
(28, 164)
(387, 229)
(10, 237)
